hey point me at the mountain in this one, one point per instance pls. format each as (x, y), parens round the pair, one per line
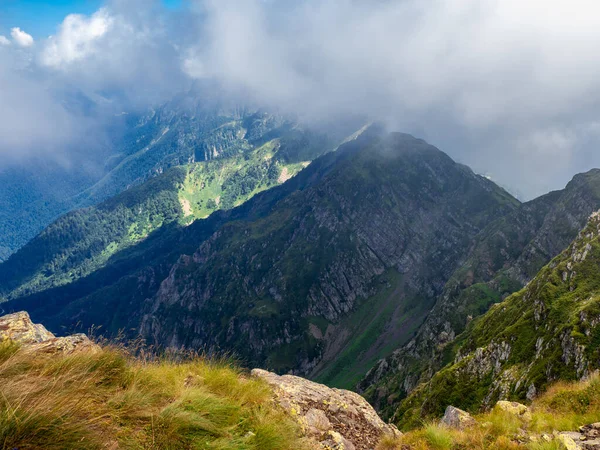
(192, 127)
(504, 257)
(323, 275)
(546, 332)
(82, 241)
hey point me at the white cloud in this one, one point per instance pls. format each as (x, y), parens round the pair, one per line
(509, 87)
(77, 38)
(21, 37)
(478, 78)
(4, 40)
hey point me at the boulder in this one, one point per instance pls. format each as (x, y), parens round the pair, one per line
(514, 408)
(335, 418)
(457, 418)
(591, 431)
(568, 441)
(19, 328)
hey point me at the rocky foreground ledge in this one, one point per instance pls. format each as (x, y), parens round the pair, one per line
(19, 328)
(335, 418)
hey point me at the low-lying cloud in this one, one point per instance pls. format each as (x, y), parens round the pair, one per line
(508, 87)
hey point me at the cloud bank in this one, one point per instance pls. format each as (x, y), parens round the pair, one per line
(511, 88)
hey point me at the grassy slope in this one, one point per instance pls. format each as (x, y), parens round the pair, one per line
(366, 325)
(564, 407)
(226, 183)
(82, 241)
(556, 311)
(110, 400)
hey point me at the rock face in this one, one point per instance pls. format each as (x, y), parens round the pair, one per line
(336, 418)
(19, 328)
(457, 418)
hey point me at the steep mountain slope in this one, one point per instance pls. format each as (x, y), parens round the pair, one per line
(84, 240)
(546, 332)
(323, 275)
(504, 257)
(35, 194)
(192, 127)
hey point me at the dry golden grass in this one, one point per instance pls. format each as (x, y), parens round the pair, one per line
(111, 400)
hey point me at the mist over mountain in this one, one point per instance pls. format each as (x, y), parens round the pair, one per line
(468, 76)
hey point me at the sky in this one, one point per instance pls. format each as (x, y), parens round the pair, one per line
(511, 88)
(41, 18)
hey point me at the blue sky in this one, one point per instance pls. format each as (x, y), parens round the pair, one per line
(40, 18)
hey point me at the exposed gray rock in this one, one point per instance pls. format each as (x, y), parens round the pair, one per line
(69, 344)
(336, 418)
(457, 418)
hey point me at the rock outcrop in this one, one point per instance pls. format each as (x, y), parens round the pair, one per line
(19, 328)
(457, 418)
(335, 418)
(517, 409)
(588, 438)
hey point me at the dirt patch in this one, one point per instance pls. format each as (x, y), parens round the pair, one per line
(284, 175)
(186, 207)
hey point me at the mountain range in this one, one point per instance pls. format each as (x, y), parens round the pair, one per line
(356, 257)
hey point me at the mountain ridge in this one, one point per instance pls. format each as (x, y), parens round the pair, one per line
(344, 202)
(543, 333)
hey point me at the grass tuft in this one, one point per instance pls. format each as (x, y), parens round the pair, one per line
(112, 400)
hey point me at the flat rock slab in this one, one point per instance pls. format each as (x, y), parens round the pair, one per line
(337, 418)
